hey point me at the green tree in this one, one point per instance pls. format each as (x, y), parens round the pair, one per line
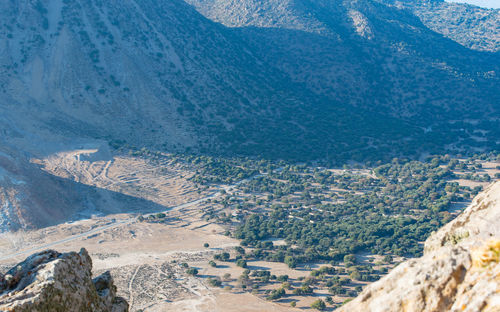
(291, 262)
(355, 275)
(276, 294)
(192, 271)
(282, 278)
(318, 305)
(239, 250)
(214, 282)
(241, 263)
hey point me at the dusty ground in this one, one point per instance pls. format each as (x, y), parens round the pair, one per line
(143, 257)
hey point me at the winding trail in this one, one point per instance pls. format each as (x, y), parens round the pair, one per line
(130, 287)
(67, 239)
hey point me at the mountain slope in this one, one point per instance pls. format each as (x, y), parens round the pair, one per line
(86, 69)
(331, 78)
(366, 54)
(159, 74)
(155, 74)
(472, 26)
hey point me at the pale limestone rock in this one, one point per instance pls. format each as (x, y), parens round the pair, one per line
(361, 24)
(479, 222)
(50, 281)
(460, 269)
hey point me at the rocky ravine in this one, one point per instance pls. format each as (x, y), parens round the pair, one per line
(460, 269)
(50, 281)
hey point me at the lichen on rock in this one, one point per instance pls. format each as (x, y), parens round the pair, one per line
(486, 255)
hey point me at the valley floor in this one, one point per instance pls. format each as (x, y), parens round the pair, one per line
(148, 254)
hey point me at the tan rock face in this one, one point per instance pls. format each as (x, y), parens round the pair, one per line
(50, 281)
(478, 223)
(460, 269)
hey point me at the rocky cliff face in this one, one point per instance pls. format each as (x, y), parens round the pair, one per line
(460, 269)
(50, 281)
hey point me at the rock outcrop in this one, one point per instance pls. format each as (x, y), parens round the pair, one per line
(460, 269)
(50, 281)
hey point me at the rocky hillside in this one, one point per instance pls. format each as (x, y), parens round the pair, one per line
(50, 281)
(121, 69)
(317, 78)
(364, 52)
(472, 26)
(460, 269)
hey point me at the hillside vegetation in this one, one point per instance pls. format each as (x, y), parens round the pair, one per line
(295, 79)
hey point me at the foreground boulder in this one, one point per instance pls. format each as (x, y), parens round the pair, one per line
(460, 269)
(50, 281)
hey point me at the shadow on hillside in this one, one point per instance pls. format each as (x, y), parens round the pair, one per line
(61, 200)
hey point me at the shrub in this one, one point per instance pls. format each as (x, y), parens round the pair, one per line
(318, 305)
(192, 271)
(241, 263)
(282, 278)
(276, 294)
(239, 250)
(214, 282)
(291, 262)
